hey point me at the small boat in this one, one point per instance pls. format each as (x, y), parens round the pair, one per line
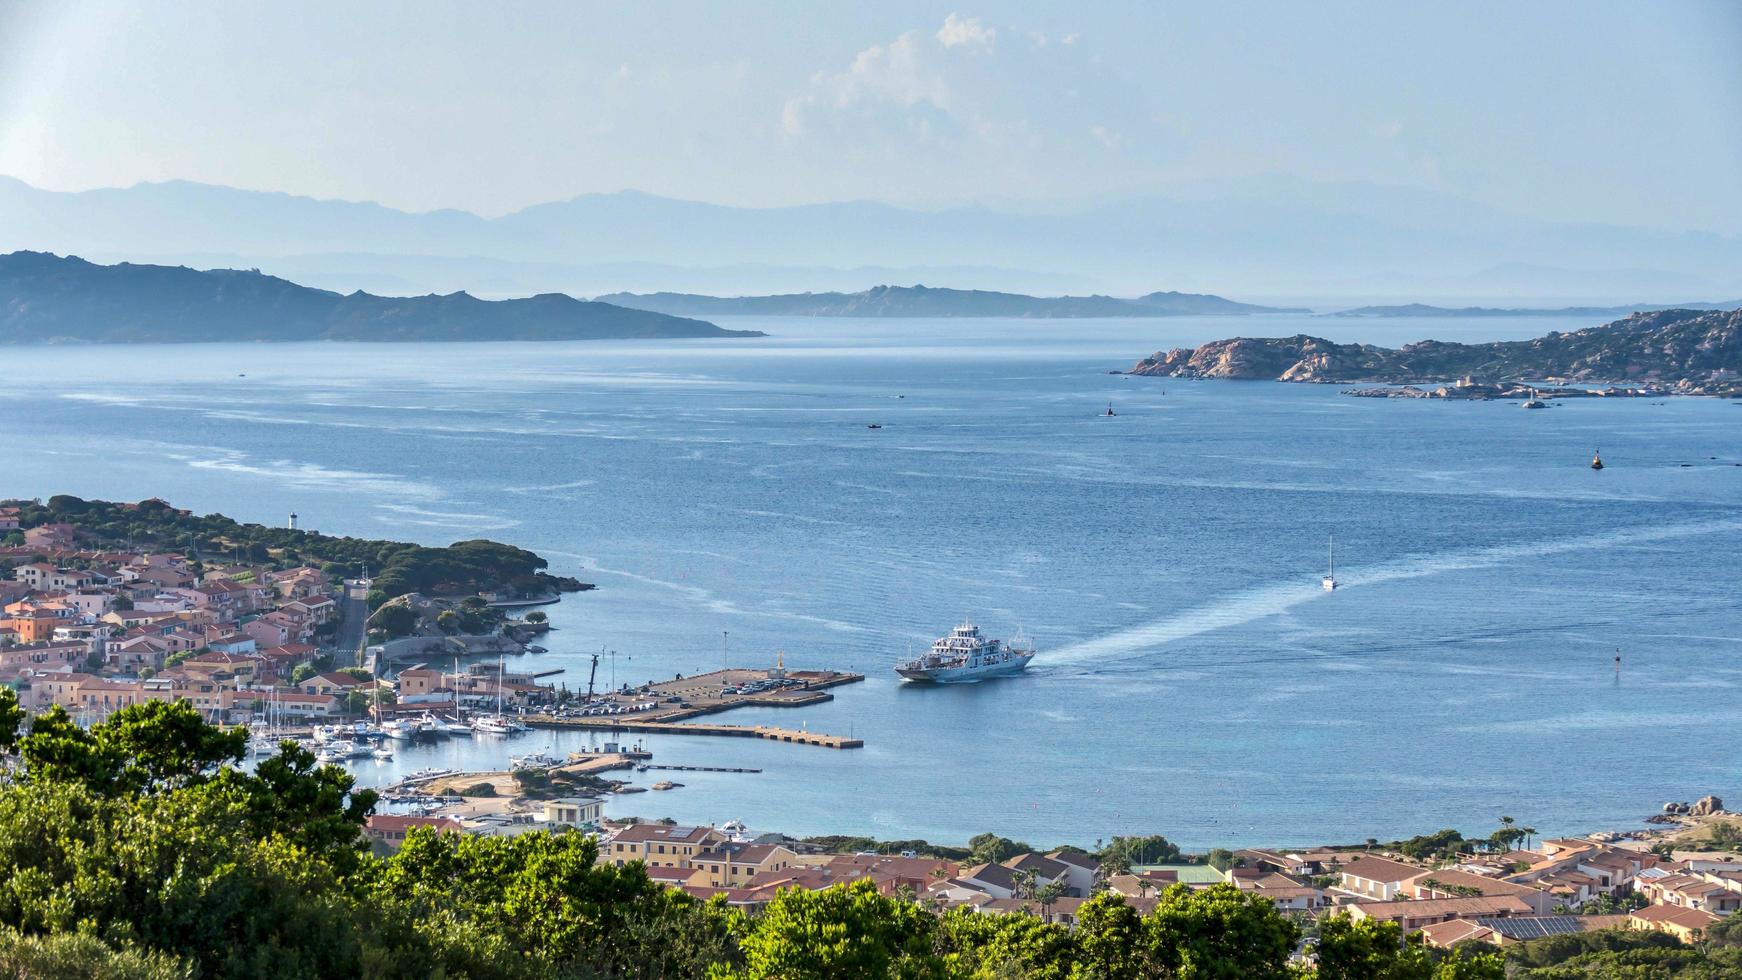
(1329, 582)
(1109, 412)
(454, 729)
(1533, 401)
(1597, 461)
(492, 725)
(536, 649)
(399, 731)
(383, 753)
(874, 425)
(537, 760)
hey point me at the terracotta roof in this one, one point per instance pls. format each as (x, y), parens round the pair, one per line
(660, 833)
(1372, 868)
(1446, 934)
(393, 823)
(1450, 907)
(1674, 915)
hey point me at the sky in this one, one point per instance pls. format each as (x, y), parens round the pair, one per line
(1611, 112)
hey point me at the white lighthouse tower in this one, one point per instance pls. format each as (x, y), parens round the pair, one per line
(293, 520)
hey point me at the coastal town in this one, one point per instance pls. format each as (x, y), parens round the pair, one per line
(94, 629)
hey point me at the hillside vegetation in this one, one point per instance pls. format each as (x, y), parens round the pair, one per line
(1699, 351)
(48, 299)
(396, 567)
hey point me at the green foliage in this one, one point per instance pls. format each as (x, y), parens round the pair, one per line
(985, 947)
(1421, 847)
(1622, 954)
(841, 844)
(1218, 932)
(1124, 852)
(984, 848)
(846, 932)
(11, 719)
(1371, 950)
(537, 616)
(542, 894)
(465, 566)
(80, 956)
(155, 745)
(394, 619)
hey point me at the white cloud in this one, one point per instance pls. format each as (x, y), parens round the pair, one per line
(1069, 39)
(899, 74)
(959, 30)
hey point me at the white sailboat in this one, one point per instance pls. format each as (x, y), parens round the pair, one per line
(496, 724)
(1329, 582)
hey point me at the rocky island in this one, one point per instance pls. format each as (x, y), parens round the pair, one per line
(1693, 352)
(49, 299)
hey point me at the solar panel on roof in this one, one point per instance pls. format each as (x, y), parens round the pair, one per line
(1534, 926)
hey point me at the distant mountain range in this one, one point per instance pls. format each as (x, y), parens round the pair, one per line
(1696, 349)
(48, 299)
(1269, 236)
(921, 301)
(1422, 310)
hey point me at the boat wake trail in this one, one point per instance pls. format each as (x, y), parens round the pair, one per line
(1274, 598)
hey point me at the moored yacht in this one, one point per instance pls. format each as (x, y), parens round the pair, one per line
(965, 655)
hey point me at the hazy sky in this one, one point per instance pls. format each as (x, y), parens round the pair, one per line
(1627, 111)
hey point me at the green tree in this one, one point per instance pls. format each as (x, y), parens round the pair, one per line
(991, 849)
(397, 619)
(1124, 852)
(157, 744)
(1110, 939)
(984, 947)
(537, 616)
(11, 719)
(847, 932)
(80, 956)
(1218, 932)
(543, 894)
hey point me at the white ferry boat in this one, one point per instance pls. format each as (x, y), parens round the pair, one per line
(965, 655)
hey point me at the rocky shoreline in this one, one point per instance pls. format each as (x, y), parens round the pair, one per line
(1646, 355)
(1469, 389)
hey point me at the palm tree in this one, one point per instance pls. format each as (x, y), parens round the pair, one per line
(1528, 833)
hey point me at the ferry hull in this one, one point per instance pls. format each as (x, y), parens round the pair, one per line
(965, 675)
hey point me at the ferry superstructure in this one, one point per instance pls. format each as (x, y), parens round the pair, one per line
(965, 655)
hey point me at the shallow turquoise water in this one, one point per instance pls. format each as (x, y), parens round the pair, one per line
(1193, 679)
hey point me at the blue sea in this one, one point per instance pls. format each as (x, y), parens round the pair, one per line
(1194, 680)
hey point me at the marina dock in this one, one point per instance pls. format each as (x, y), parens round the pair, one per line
(624, 724)
(668, 707)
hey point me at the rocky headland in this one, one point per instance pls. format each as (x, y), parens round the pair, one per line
(1694, 352)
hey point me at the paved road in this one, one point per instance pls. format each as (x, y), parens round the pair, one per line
(350, 636)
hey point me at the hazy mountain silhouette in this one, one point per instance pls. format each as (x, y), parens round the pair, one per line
(1256, 236)
(921, 301)
(48, 299)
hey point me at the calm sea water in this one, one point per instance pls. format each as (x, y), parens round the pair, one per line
(1193, 680)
